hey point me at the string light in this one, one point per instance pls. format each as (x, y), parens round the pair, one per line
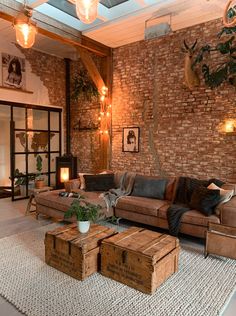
(104, 117)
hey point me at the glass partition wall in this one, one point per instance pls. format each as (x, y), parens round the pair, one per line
(35, 131)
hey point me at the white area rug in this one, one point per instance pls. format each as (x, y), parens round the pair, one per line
(201, 287)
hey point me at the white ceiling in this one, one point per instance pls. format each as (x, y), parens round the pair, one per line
(124, 23)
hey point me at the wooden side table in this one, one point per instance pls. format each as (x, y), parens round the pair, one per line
(221, 240)
(33, 192)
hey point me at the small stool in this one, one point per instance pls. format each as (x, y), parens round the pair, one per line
(33, 192)
(221, 240)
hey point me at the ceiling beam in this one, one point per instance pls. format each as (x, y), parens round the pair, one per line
(54, 29)
(36, 3)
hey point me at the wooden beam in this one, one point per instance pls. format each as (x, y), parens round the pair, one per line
(54, 29)
(91, 68)
(36, 3)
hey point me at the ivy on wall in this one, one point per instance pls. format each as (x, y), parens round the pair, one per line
(83, 86)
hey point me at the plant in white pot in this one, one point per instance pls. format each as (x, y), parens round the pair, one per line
(39, 180)
(84, 212)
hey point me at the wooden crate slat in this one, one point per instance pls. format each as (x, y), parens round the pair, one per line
(125, 234)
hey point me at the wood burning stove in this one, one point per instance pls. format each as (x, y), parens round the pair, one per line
(66, 169)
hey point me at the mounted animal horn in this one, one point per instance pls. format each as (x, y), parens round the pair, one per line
(225, 16)
(195, 43)
(186, 46)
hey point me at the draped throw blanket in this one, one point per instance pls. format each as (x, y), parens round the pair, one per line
(184, 192)
(112, 196)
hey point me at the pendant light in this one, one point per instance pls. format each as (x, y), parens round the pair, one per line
(25, 28)
(87, 10)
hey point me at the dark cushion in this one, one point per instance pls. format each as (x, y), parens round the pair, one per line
(99, 182)
(205, 200)
(148, 187)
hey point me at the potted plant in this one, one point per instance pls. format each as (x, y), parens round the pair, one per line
(84, 212)
(39, 180)
(20, 179)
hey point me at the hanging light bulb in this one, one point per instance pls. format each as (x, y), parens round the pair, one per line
(87, 10)
(25, 28)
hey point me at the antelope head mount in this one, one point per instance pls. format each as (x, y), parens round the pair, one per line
(190, 76)
(227, 21)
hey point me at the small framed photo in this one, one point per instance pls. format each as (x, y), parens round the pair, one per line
(130, 139)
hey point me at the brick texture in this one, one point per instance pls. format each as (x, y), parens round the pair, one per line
(180, 129)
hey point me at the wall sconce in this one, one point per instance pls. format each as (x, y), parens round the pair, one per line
(229, 126)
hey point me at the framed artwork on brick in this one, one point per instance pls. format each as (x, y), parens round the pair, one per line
(130, 139)
(13, 71)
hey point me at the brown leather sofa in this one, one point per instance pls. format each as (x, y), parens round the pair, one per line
(145, 210)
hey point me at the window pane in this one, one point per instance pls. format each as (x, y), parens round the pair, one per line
(20, 141)
(20, 163)
(53, 161)
(55, 140)
(54, 121)
(19, 117)
(37, 119)
(32, 163)
(38, 141)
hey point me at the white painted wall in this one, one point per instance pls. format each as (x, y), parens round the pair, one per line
(33, 83)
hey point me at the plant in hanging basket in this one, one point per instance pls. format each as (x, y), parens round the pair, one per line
(83, 86)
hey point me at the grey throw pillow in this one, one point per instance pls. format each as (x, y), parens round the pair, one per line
(151, 188)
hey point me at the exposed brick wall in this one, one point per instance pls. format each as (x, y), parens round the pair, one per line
(180, 129)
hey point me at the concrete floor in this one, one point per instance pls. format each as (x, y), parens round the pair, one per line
(13, 221)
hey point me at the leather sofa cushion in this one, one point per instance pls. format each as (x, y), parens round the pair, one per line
(149, 187)
(53, 200)
(140, 205)
(191, 217)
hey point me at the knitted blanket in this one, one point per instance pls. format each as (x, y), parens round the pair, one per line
(112, 196)
(184, 192)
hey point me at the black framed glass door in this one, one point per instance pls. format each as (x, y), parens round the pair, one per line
(34, 131)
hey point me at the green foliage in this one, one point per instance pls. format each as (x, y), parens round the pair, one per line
(39, 167)
(227, 70)
(20, 178)
(83, 210)
(83, 86)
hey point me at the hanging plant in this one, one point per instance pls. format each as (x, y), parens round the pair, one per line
(225, 72)
(83, 86)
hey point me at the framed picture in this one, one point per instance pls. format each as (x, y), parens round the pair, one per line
(130, 139)
(13, 71)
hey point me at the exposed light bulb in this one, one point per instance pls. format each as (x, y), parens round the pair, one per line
(25, 29)
(87, 10)
(99, 118)
(102, 113)
(102, 98)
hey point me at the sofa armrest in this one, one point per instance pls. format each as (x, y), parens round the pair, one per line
(72, 185)
(228, 213)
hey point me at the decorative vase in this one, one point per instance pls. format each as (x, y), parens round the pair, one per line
(83, 226)
(39, 184)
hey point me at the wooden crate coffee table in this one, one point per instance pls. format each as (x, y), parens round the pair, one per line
(74, 253)
(140, 258)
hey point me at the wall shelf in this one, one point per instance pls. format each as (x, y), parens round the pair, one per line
(80, 129)
(18, 90)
